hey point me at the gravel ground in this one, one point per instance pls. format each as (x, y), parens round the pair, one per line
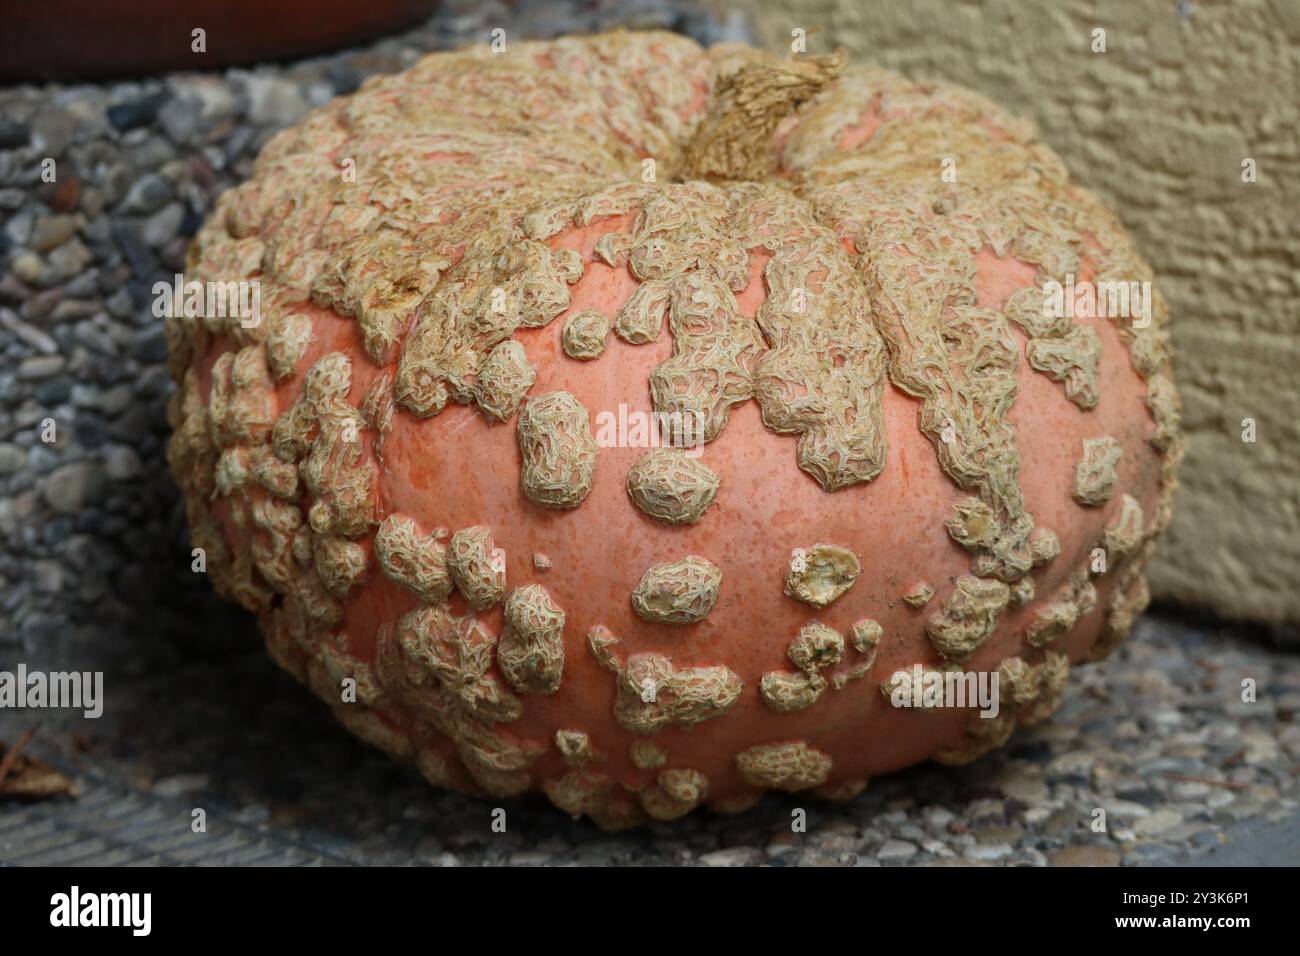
(1157, 736)
(94, 574)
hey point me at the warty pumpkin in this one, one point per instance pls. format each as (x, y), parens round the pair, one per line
(838, 275)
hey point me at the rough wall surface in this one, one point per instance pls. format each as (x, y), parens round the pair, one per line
(1159, 126)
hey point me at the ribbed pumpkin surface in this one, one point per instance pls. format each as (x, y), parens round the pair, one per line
(417, 468)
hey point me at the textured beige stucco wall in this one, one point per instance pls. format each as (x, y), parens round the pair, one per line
(1158, 126)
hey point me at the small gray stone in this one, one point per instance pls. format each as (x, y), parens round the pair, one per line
(51, 231)
(1075, 766)
(119, 304)
(18, 230)
(1124, 809)
(12, 457)
(732, 856)
(180, 118)
(13, 134)
(1021, 781)
(113, 401)
(47, 576)
(137, 112)
(28, 267)
(215, 98)
(1261, 748)
(54, 131)
(53, 391)
(136, 251)
(66, 261)
(149, 344)
(1190, 790)
(95, 338)
(937, 817)
(70, 309)
(148, 194)
(163, 225)
(92, 204)
(988, 851)
(84, 286)
(98, 233)
(85, 395)
(41, 458)
(273, 101)
(115, 183)
(318, 94)
(530, 858)
(1157, 822)
(69, 487)
(896, 850)
(121, 462)
(40, 367)
(29, 334)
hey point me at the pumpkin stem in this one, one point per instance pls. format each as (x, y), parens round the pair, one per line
(733, 142)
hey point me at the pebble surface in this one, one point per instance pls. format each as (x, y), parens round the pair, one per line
(95, 567)
(1153, 759)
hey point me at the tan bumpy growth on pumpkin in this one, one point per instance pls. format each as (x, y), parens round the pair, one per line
(426, 466)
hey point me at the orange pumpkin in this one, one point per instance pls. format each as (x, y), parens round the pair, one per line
(424, 462)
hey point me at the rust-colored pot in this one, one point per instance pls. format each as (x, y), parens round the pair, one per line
(71, 39)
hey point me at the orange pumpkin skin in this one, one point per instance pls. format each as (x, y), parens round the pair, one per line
(862, 336)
